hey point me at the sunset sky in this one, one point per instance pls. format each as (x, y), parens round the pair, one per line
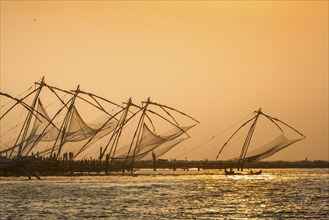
(217, 61)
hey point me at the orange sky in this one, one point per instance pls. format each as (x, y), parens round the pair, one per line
(217, 61)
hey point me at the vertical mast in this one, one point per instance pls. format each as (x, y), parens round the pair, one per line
(247, 141)
(118, 131)
(137, 135)
(65, 123)
(27, 121)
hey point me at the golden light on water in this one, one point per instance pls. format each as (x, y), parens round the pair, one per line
(217, 61)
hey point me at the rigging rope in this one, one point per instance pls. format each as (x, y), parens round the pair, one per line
(232, 142)
(18, 97)
(214, 136)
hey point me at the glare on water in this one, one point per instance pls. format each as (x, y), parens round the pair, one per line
(164, 194)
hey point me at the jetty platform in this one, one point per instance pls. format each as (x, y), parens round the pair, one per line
(53, 167)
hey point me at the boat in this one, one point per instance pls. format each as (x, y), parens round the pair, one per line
(232, 172)
(278, 143)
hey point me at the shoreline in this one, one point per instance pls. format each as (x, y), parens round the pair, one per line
(48, 167)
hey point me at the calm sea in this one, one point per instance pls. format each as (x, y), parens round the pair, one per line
(276, 194)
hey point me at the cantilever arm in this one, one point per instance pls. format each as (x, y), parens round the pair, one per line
(271, 119)
(164, 106)
(284, 124)
(53, 91)
(93, 95)
(168, 121)
(18, 101)
(169, 114)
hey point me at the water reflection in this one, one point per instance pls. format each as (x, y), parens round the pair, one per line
(299, 193)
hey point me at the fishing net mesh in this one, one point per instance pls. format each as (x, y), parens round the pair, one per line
(270, 148)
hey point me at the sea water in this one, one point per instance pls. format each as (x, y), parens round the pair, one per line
(166, 194)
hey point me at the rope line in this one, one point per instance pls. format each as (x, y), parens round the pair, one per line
(213, 137)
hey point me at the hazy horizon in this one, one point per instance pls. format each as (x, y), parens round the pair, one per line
(217, 61)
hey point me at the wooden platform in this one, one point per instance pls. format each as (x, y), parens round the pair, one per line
(51, 167)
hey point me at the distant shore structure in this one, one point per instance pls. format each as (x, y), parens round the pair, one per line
(125, 133)
(266, 150)
(120, 138)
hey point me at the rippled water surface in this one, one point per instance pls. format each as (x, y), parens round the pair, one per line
(280, 193)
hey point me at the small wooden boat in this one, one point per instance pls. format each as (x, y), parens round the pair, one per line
(232, 172)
